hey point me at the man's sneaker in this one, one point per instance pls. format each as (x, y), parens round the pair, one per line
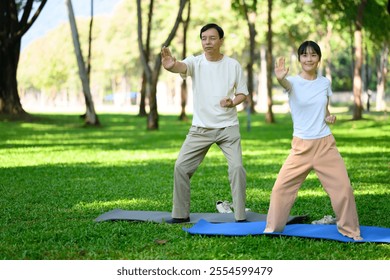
(177, 220)
(223, 206)
(326, 220)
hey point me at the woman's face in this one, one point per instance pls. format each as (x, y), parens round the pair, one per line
(309, 60)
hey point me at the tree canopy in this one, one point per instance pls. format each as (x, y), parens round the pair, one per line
(48, 64)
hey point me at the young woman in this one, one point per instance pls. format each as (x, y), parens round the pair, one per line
(313, 146)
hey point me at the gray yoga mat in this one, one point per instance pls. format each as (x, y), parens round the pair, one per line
(160, 217)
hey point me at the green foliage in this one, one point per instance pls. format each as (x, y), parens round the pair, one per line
(381, 20)
(341, 72)
(49, 63)
(56, 177)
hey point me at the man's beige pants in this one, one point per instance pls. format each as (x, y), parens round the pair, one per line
(322, 156)
(192, 153)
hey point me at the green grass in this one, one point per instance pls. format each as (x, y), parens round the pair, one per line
(57, 176)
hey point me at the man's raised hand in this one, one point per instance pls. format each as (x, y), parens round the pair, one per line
(167, 60)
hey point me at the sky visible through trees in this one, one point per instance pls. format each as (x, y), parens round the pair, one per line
(55, 13)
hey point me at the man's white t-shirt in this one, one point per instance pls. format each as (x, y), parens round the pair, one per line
(211, 82)
(308, 101)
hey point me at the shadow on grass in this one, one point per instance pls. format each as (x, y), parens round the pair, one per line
(93, 189)
(56, 178)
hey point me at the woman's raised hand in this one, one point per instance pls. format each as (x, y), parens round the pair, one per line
(280, 68)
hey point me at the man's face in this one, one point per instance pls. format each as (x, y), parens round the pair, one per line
(211, 42)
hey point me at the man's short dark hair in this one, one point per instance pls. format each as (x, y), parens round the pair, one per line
(212, 25)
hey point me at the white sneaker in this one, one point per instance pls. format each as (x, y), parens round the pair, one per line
(223, 206)
(326, 220)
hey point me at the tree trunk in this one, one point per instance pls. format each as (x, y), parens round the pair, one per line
(144, 55)
(183, 87)
(90, 116)
(249, 71)
(142, 104)
(329, 33)
(146, 74)
(184, 98)
(357, 79)
(12, 28)
(153, 117)
(382, 73)
(89, 52)
(262, 86)
(250, 17)
(9, 96)
(90, 44)
(152, 75)
(269, 117)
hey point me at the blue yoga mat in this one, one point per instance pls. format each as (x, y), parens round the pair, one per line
(330, 232)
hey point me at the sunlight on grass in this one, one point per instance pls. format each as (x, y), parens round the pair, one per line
(260, 142)
(121, 203)
(57, 176)
(312, 192)
(35, 156)
(373, 191)
(321, 192)
(366, 149)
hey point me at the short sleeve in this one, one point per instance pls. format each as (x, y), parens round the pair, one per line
(189, 61)
(329, 90)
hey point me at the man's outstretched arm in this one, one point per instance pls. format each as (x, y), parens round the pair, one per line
(170, 63)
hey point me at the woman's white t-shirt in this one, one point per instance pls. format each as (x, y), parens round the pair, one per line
(308, 101)
(211, 82)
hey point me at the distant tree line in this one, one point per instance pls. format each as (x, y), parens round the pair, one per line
(355, 50)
